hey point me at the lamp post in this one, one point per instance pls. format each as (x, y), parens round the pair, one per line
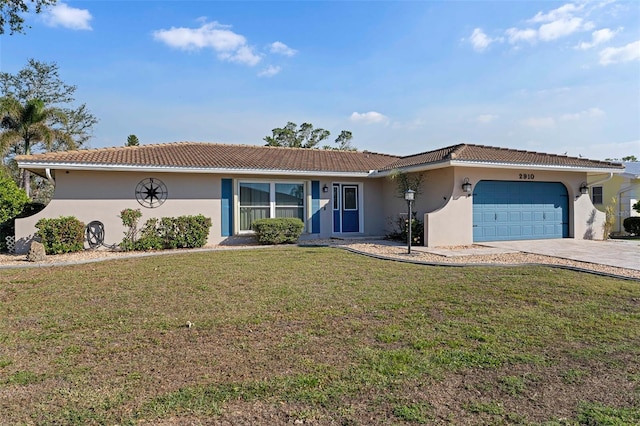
(409, 195)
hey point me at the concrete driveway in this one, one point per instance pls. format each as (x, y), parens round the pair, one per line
(618, 253)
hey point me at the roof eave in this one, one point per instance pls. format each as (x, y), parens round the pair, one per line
(39, 168)
(495, 165)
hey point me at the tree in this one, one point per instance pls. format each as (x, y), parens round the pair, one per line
(344, 141)
(306, 137)
(26, 125)
(10, 13)
(628, 158)
(132, 140)
(70, 127)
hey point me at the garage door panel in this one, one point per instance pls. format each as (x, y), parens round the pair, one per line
(505, 210)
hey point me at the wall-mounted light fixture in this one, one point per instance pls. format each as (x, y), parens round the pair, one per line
(325, 188)
(584, 189)
(466, 186)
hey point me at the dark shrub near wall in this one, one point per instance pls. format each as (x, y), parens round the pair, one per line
(632, 225)
(164, 233)
(278, 230)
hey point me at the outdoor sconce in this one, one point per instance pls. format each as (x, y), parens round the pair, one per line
(409, 195)
(466, 186)
(584, 189)
(325, 188)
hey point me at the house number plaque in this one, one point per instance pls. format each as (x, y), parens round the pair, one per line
(526, 176)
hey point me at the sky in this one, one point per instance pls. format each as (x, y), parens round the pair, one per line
(403, 76)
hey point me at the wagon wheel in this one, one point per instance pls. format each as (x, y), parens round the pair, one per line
(95, 234)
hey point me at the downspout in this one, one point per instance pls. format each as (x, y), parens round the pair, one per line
(598, 182)
(47, 172)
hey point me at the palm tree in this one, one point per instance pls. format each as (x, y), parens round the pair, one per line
(25, 126)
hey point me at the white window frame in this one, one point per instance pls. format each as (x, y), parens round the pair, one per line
(272, 200)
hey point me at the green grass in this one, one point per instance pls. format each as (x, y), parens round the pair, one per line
(315, 334)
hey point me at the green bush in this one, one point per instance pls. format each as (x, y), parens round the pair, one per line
(632, 225)
(12, 202)
(400, 233)
(62, 235)
(278, 230)
(165, 233)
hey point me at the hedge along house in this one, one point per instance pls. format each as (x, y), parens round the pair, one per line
(510, 194)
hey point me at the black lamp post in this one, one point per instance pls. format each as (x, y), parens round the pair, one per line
(409, 195)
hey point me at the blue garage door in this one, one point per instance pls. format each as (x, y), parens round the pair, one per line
(504, 211)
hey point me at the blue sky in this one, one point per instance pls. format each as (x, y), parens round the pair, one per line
(404, 77)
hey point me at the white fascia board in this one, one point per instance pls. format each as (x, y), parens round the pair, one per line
(512, 166)
(170, 169)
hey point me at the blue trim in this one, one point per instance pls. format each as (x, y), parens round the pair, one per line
(315, 206)
(226, 207)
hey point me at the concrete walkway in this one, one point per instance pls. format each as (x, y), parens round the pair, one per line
(618, 253)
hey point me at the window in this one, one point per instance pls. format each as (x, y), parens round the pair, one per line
(596, 195)
(260, 200)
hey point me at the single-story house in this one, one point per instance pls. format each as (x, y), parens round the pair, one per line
(469, 193)
(618, 192)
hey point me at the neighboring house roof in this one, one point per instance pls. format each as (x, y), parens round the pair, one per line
(470, 154)
(220, 158)
(631, 170)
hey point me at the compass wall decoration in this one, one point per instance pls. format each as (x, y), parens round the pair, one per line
(151, 192)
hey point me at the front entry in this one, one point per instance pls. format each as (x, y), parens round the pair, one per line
(346, 209)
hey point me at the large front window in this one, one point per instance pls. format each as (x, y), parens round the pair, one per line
(259, 200)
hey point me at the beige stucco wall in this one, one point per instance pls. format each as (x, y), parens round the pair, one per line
(95, 195)
(619, 193)
(452, 224)
(102, 196)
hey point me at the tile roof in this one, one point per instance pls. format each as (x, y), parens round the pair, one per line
(494, 155)
(193, 155)
(218, 156)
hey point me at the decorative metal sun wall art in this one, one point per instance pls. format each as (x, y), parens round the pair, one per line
(151, 192)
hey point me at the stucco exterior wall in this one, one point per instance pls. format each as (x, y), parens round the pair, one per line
(452, 224)
(102, 196)
(619, 193)
(95, 195)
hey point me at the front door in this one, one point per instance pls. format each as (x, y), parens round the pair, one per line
(346, 208)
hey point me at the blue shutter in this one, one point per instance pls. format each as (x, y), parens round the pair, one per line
(226, 207)
(315, 206)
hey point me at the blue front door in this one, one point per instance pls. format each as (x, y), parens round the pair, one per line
(346, 208)
(505, 211)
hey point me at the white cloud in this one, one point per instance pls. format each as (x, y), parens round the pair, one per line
(370, 117)
(539, 122)
(282, 49)
(560, 13)
(588, 113)
(597, 37)
(62, 15)
(561, 28)
(480, 41)
(628, 53)
(269, 71)
(486, 118)
(228, 45)
(515, 35)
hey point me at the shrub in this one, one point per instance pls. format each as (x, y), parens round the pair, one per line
(400, 231)
(130, 218)
(12, 202)
(164, 233)
(281, 230)
(62, 235)
(632, 225)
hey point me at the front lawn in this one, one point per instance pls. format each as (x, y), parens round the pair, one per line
(315, 336)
